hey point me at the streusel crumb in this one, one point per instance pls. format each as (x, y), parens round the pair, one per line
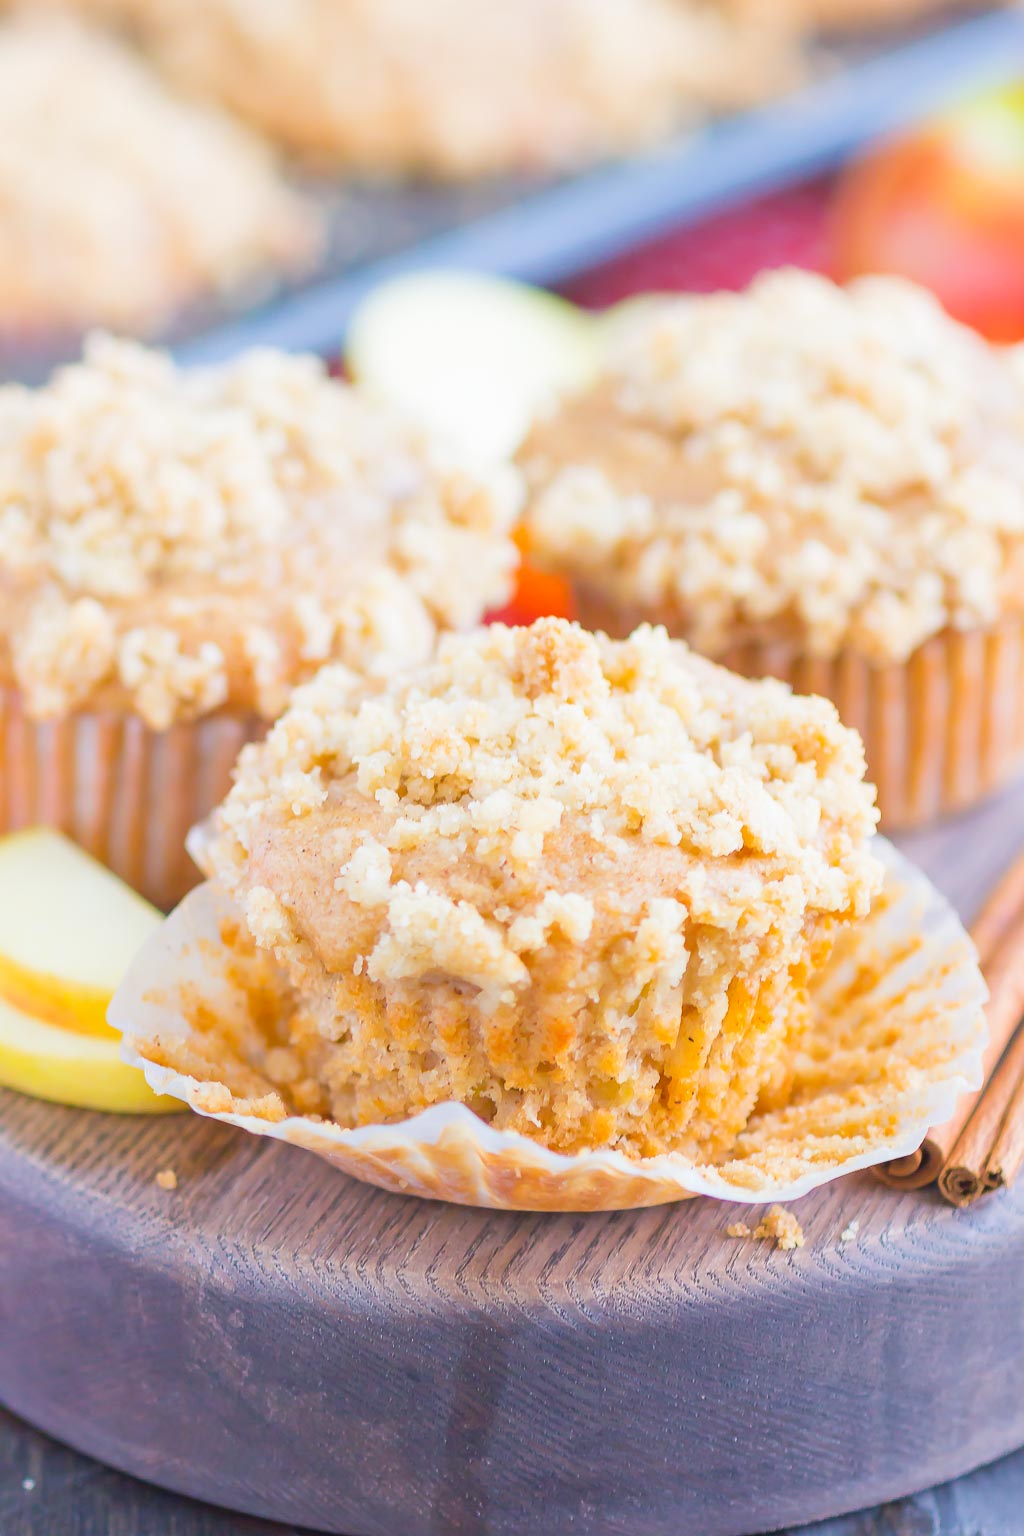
(120, 202)
(174, 542)
(780, 1227)
(842, 467)
(575, 884)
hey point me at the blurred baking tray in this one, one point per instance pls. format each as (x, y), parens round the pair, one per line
(544, 231)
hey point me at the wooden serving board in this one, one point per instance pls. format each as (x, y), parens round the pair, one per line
(273, 1337)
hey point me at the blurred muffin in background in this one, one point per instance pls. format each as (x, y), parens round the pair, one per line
(822, 485)
(178, 549)
(119, 203)
(462, 87)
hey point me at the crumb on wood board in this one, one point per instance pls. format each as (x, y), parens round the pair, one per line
(778, 1226)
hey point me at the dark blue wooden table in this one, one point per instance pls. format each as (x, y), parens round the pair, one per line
(46, 1490)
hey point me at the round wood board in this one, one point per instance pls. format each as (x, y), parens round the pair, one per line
(276, 1338)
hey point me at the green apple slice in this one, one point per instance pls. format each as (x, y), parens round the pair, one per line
(472, 358)
(68, 930)
(616, 322)
(68, 1067)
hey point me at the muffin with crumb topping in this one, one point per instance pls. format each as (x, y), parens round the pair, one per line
(179, 549)
(460, 88)
(572, 883)
(819, 484)
(122, 204)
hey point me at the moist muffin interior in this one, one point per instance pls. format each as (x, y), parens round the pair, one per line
(574, 884)
(841, 468)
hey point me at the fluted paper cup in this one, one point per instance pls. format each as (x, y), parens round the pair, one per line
(125, 793)
(897, 1035)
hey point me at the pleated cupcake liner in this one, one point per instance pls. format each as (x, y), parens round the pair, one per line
(896, 1035)
(125, 793)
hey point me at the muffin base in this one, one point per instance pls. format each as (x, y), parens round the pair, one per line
(941, 730)
(895, 1034)
(125, 793)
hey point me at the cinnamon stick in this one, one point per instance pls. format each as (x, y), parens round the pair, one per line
(1007, 1156)
(987, 1153)
(998, 933)
(998, 912)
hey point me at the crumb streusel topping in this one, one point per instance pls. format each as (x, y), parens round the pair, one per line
(172, 542)
(463, 87)
(573, 883)
(846, 467)
(119, 202)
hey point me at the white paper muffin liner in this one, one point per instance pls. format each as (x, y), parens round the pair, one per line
(898, 1035)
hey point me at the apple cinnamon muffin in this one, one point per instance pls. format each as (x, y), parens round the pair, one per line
(460, 88)
(179, 549)
(575, 884)
(819, 484)
(120, 203)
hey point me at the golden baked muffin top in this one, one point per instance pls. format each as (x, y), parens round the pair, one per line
(461, 87)
(175, 542)
(119, 202)
(841, 466)
(512, 876)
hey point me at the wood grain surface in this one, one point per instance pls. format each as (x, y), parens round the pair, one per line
(276, 1338)
(68, 1495)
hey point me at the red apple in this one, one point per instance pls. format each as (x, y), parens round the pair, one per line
(538, 594)
(945, 206)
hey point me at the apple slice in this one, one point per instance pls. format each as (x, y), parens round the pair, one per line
(472, 358)
(68, 930)
(67, 1067)
(616, 322)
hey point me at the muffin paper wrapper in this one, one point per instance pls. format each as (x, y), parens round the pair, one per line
(125, 793)
(898, 1035)
(941, 730)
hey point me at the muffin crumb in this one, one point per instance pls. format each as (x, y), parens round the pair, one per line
(778, 1226)
(166, 1179)
(781, 1227)
(849, 1234)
